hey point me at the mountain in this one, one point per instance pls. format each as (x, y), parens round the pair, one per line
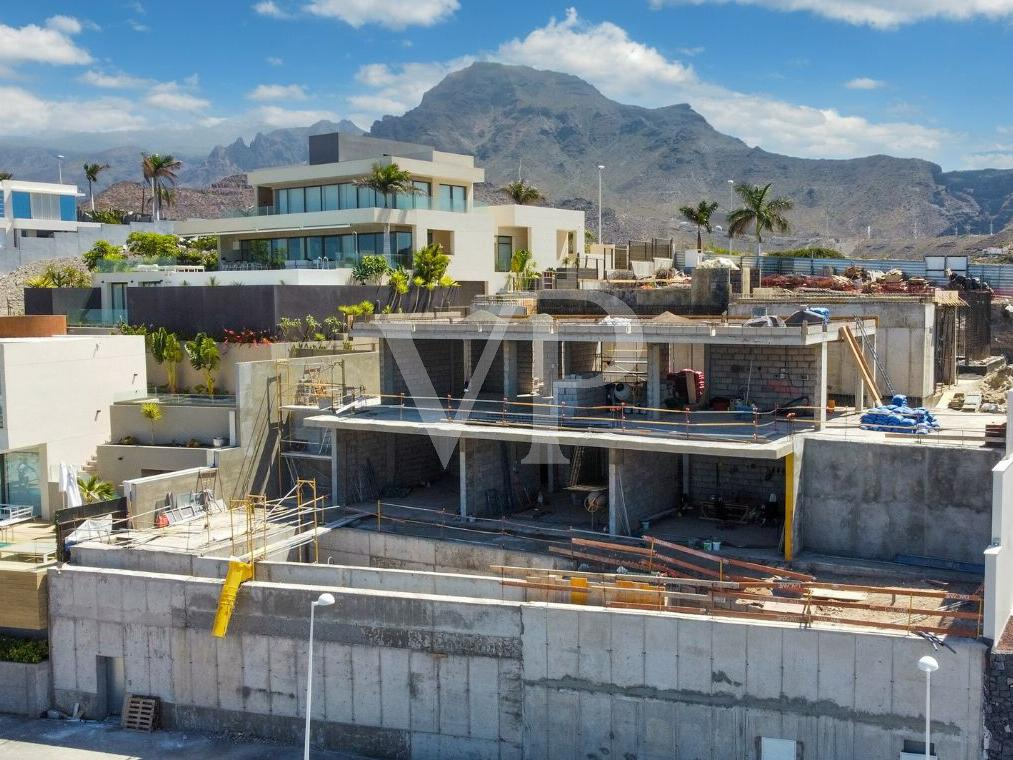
(554, 129)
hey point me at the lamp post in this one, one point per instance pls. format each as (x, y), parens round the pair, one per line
(59, 167)
(731, 202)
(928, 666)
(600, 170)
(324, 600)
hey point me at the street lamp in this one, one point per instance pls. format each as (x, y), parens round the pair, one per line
(928, 666)
(324, 600)
(600, 170)
(731, 202)
(59, 167)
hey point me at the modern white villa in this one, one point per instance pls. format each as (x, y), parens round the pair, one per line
(35, 210)
(317, 220)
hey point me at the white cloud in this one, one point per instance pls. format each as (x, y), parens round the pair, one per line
(269, 8)
(269, 92)
(882, 14)
(995, 156)
(274, 60)
(112, 81)
(274, 116)
(633, 72)
(864, 83)
(136, 25)
(174, 97)
(27, 113)
(690, 52)
(37, 44)
(394, 14)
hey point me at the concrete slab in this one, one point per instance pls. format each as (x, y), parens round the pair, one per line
(337, 681)
(534, 642)
(86, 645)
(594, 639)
(763, 661)
(483, 697)
(229, 656)
(628, 649)
(695, 671)
(695, 740)
(562, 643)
(594, 729)
(626, 726)
(874, 679)
(728, 650)
(536, 721)
(658, 732)
(256, 673)
(366, 685)
(423, 689)
(661, 658)
(511, 701)
(800, 654)
(837, 668)
(395, 699)
(562, 719)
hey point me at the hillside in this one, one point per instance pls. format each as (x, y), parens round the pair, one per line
(224, 198)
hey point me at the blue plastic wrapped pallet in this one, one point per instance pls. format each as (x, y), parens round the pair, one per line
(898, 417)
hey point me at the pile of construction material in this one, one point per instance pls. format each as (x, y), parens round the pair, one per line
(855, 279)
(898, 417)
(994, 388)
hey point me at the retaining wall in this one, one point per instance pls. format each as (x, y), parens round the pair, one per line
(25, 688)
(415, 676)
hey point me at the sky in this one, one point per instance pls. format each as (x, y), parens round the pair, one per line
(812, 78)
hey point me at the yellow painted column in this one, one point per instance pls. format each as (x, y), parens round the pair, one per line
(789, 504)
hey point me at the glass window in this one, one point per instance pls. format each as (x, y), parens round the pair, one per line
(331, 243)
(296, 200)
(423, 194)
(445, 201)
(314, 248)
(281, 201)
(21, 484)
(348, 256)
(331, 198)
(313, 198)
(295, 249)
(504, 252)
(279, 248)
(370, 244)
(453, 198)
(401, 249)
(404, 200)
(347, 195)
(45, 206)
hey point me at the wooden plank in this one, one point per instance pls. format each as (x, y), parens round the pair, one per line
(863, 367)
(767, 569)
(846, 596)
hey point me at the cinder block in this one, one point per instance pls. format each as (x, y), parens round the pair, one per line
(366, 685)
(395, 699)
(453, 675)
(483, 697)
(800, 654)
(423, 690)
(594, 724)
(837, 667)
(763, 663)
(661, 658)
(695, 665)
(256, 673)
(595, 642)
(561, 633)
(628, 649)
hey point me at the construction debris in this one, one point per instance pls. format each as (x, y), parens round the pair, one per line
(898, 417)
(995, 386)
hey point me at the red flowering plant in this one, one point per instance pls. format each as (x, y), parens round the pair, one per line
(247, 337)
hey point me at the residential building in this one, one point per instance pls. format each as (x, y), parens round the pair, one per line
(318, 217)
(35, 210)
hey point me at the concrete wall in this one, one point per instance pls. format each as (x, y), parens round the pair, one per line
(641, 483)
(999, 554)
(396, 460)
(905, 341)
(496, 466)
(117, 464)
(25, 688)
(416, 676)
(769, 375)
(178, 424)
(442, 360)
(68, 245)
(877, 500)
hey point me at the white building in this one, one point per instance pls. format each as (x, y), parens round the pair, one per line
(315, 216)
(55, 395)
(35, 210)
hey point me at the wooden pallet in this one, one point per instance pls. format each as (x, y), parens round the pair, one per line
(140, 713)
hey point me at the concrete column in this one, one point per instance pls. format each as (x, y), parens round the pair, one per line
(466, 361)
(510, 369)
(335, 470)
(615, 491)
(654, 372)
(463, 476)
(819, 385)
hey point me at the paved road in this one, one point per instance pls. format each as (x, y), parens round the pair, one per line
(27, 739)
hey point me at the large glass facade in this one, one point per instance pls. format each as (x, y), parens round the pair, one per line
(296, 200)
(453, 198)
(336, 250)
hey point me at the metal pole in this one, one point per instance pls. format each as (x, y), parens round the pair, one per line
(928, 707)
(601, 239)
(309, 686)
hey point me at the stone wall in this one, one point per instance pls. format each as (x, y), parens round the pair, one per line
(999, 706)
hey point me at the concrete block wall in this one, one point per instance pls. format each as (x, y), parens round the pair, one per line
(641, 483)
(745, 480)
(877, 500)
(579, 356)
(415, 458)
(415, 676)
(484, 470)
(442, 361)
(779, 374)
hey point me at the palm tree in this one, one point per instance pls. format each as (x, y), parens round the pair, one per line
(159, 170)
(701, 217)
(388, 181)
(91, 172)
(522, 193)
(766, 216)
(6, 175)
(204, 357)
(93, 490)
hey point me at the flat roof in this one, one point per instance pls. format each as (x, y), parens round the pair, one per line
(714, 331)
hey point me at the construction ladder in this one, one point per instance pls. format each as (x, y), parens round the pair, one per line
(880, 368)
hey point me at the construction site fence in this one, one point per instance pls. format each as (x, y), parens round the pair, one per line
(998, 276)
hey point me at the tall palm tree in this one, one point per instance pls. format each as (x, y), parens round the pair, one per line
(522, 193)
(388, 181)
(6, 175)
(91, 172)
(765, 215)
(700, 215)
(159, 170)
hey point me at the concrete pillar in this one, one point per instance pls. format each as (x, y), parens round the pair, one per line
(819, 385)
(615, 490)
(463, 476)
(510, 369)
(335, 484)
(657, 360)
(466, 361)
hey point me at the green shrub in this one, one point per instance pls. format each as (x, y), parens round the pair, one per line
(153, 245)
(813, 252)
(29, 651)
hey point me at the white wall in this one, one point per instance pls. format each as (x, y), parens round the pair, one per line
(57, 392)
(999, 556)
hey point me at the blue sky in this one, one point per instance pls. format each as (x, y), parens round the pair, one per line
(816, 78)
